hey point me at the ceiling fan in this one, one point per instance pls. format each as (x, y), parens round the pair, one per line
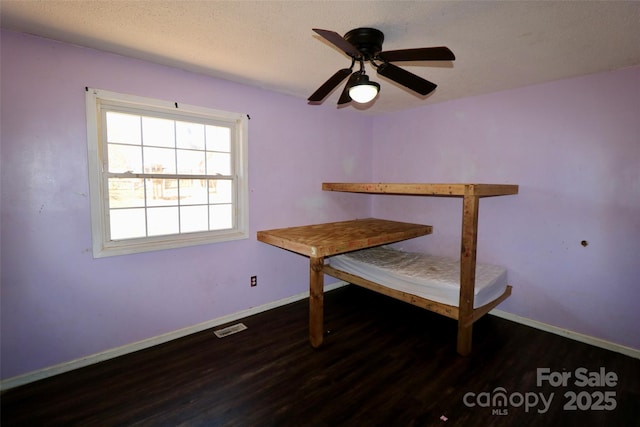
(365, 44)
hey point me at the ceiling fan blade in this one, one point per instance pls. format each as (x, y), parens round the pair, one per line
(319, 95)
(344, 97)
(406, 79)
(338, 41)
(440, 53)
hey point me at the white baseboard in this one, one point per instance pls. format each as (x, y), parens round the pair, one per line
(50, 371)
(576, 336)
(150, 342)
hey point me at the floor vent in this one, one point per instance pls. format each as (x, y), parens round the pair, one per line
(229, 330)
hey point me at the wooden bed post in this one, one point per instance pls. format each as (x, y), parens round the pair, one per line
(316, 301)
(470, 206)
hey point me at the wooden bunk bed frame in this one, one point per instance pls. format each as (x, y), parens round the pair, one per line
(320, 240)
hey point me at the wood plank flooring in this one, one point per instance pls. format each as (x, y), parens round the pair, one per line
(384, 363)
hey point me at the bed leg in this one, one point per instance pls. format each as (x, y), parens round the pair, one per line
(316, 301)
(464, 339)
(468, 247)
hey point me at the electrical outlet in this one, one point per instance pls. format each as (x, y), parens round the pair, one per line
(254, 281)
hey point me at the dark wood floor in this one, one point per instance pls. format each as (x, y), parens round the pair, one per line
(384, 363)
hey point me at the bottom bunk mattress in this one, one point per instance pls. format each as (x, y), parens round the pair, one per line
(431, 277)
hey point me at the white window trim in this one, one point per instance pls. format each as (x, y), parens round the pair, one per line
(102, 245)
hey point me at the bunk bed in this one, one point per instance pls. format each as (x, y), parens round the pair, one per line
(318, 241)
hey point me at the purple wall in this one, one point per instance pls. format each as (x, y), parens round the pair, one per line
(58, 303)
(573, 146)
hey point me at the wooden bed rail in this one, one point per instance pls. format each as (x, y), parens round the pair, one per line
(422, 189)
(450, 311)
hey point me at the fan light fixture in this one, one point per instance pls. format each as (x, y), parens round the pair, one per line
(362, 90)
(365, 45)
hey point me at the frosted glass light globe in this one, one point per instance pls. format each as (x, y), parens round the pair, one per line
(363, 93)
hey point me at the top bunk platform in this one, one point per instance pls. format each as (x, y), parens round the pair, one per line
(320, 240)
(445, 190)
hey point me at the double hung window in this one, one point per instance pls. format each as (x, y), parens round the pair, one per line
(164, 175)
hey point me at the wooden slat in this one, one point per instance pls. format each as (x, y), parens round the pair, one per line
(424, 189)
(339, 237)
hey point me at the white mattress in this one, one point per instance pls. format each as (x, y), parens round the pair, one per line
(431, 277)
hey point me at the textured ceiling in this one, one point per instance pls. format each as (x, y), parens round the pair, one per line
(270, 44)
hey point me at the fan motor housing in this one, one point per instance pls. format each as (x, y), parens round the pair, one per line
(367, 40)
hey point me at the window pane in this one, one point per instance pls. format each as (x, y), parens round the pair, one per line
(125, 158)
(159, 160)
(171, 191)
(127, 223)
(218, 163)
(123, 128)
(220, 217)
(218, 138)
(191, 162)
(158, 132)
(193, 218)
(220, 191)
(162, 221)
(126, 192)
(190, 135)
(193, 192)
(162, 192)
